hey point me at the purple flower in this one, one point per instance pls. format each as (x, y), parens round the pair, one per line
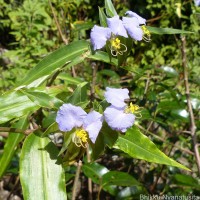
(117, 119)
(70, 116)
(87, 125)
(132, 26)
(116, 26)
(119, 115)
(133, 14)
(99, 35)
(116, 96)
(197, 2)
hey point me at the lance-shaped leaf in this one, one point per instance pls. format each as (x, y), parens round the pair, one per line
(15, 104)
(118, 178)
(11, 145)
(139, 146)
(55, 61)
(102, 17)
(41, 174)
(162, 31)
(110, 9)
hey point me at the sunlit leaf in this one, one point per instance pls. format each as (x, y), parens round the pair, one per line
(110, 9)
(41, 172)
(55, 61)
(140, 146)
(15, 104)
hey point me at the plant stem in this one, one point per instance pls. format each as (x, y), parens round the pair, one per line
(189, 104)
(78, 171)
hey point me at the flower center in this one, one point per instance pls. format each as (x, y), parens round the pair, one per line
(147, 34)
(132, 108)
(80, 138)
(117, 47)
(115, 43)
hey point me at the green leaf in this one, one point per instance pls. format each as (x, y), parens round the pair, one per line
(79, 96)
(139, 146)
(15, 104)
(51, 129)
(186, 180)
(55, 61)
(69, 79)
(41, 174)
(43, 99)
(11, 144)
(102, 17)
(110, 10)
(162, 31)
(118, 178)
(106, 137)
(103, 56)
(94, 171)
(128, 42)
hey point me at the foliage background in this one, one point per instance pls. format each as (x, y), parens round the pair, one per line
(153, 73)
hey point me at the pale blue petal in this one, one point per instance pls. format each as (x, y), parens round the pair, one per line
(99, 36)
(116, 26)
(92, 124)
(116, 96)
(132, 26)
(70, 116)
(133, 14)
(117, 119)
(197, 2)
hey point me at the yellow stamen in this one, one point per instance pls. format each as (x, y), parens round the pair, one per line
(80, 138)
(132, 108)
(117, 47)
(115, 43)
(147, 34)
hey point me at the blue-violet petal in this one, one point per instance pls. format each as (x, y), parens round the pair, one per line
(132, 26)
(70, 116)
(99, 36)
(117, 119)
(133, 14)
(92, 124)
(116, 26)
(116, 96)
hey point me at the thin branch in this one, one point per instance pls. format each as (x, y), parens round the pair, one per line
(89, 179)
(78, 171)
(189, 104)
(94, 76)
(57, 24)
(16, 130)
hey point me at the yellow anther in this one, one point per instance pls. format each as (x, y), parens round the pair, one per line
(147, 34)
(133, 109)
(115, 43)
(117, 47)
(80, 138)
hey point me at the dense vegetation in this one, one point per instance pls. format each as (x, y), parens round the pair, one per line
(47, 60)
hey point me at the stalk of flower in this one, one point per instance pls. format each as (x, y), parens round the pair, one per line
(119, 115)
(87, 126)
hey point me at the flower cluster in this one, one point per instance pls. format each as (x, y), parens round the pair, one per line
(131, 26)
(119, 116)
